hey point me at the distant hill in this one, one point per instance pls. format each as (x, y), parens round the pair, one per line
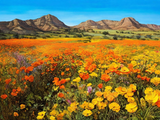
(50, 23)
(127, 23)
(45, 23)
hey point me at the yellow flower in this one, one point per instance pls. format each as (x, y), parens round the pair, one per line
(131, 107)
(148, 90)
(99, 93)
(54, 106)
(130, 99)
(72, 107)
(22, 106)
(101, 105)
(99, 99)
(89, 84)
(132, 87)
(128, 94)
(124, 69)
(93, 74)
(134, 63)
(15, 114)
(108, 88)
(84, 105)
(87, 113)
(110, 97)
(54, 113)
(155, 81)
(90, 106)
(78, 79)
(114, 106)
(52, 118)
(41, 115)
(67, 79)
(157, 72)
(152, 98)
(94, 101)
(55, 88)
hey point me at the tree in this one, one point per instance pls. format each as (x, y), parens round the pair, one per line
(138, 37)
(16, 36)
(115, 38)
(105, 33)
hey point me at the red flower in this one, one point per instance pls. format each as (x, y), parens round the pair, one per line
(100, 85)
(61, 95)
(62, 81)
(84, 76)
(31, 78)
(158, 103)
(138, 76)
(62, 87)
(8, 81)
(4, 96)
(143, 78)
(148, 79)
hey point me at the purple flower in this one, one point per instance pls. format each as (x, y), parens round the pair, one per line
(89, 89)
(69, 101)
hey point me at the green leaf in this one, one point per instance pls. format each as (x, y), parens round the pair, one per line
(38, 97)
(30, 96)
(134, 118)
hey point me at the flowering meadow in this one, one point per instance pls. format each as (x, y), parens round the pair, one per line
(69, 79)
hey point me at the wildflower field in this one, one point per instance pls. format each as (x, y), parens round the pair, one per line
(68, 79)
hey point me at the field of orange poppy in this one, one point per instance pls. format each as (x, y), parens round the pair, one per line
(69, 79)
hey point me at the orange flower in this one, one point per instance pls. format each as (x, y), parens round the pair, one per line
(92, 67)
(28, 69)
(62, 87)
(31, 78)
(61, 95)
(84, 76)
(148, 79)
(22, 68)
(105, 77)
(14, 90)
(138, 76)
(19, 89)
(17, 71)
(15, 114)
(100, 85)
(4, 96)
(67, 69)
(62, 73)
(99, 93)
(35, 64)
(158, 103)
(22, 106)
(14, 82)
(8, 81)
(26, 77)
(62, 81)
(143, 78)
(14, 93)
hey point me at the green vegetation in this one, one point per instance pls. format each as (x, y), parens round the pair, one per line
(88, 34)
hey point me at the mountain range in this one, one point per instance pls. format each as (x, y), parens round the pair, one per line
(51, 23)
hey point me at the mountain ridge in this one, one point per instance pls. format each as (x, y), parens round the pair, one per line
(51, 23)
(127, 23)
(44, 23)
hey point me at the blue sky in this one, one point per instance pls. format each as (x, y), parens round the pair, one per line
(73, 12)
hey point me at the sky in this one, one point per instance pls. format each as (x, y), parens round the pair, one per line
(73, 12)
